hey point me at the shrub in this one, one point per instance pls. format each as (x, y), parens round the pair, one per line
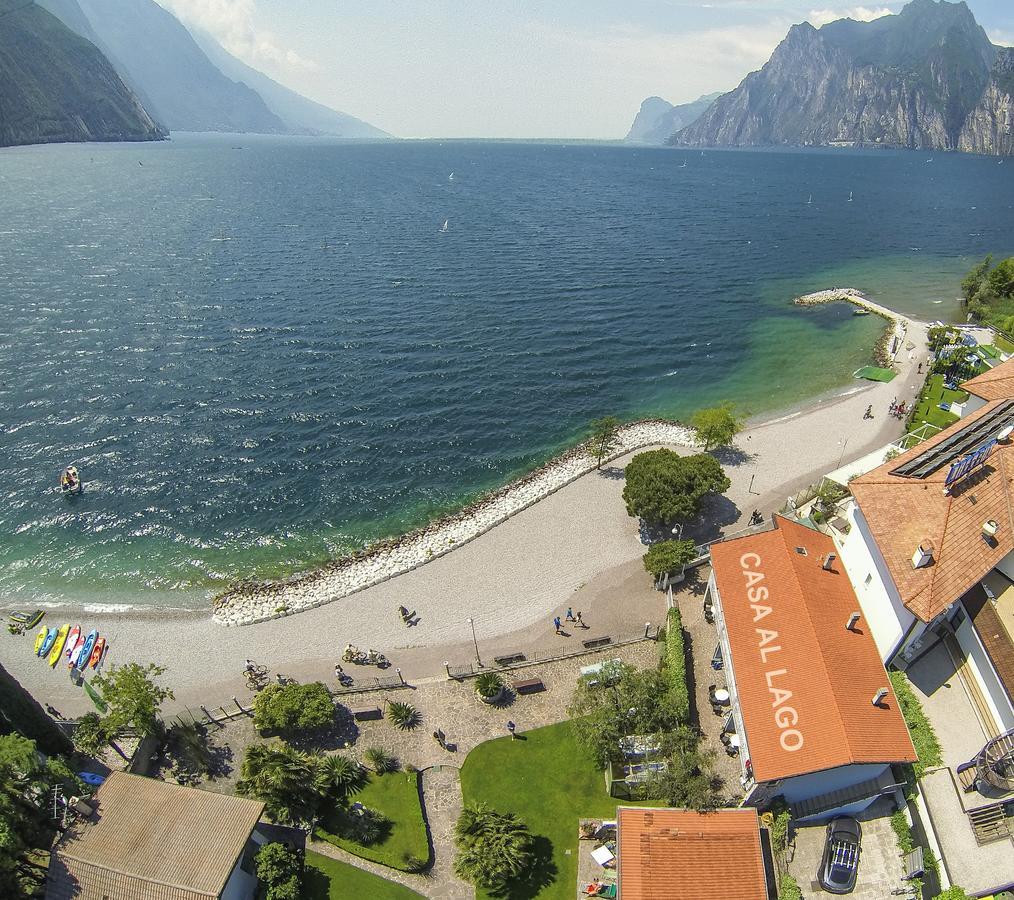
(278, 868)
(664, 557)
(380, 760)
(954, 892)
(366, 826)
(90, 734)
(493, 847)
(780, 818)
(927, 747)
(293, 707)
(488, 685)
(788, 888)
(716, 426)
(675, 667)
(404, 716)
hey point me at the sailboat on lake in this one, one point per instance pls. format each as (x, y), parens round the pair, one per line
(850, 196)
(443, 228)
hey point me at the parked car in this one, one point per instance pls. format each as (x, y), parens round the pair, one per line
(840, 863)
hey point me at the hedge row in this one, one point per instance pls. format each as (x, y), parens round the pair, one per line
(675, 668)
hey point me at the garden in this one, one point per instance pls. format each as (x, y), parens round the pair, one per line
(927, 408)
(328, 879)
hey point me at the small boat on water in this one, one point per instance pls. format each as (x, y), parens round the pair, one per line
(48, 641)
(859, 311)
(57, 649)
(96, 657)
(443, 228)
(70, 481)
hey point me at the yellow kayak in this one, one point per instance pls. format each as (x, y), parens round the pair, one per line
(54, 653)
(39, 638)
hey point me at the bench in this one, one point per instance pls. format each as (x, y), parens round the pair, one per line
(367, 713)
(592, 643)
(529, 686)
(509, 658)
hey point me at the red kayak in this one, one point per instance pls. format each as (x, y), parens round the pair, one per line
(100, 647)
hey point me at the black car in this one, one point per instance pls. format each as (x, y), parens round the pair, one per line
(840, 865)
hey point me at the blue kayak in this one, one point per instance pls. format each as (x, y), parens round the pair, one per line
(86, 650)
(48, 642)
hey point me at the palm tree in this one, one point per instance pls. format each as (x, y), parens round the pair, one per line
(339, 776)
(284, 779)
(493, 847)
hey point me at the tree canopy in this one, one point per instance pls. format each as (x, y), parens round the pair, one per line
(278, 869)
(663, 487)
(133, 696)
(987, 293)
(294, 707)
(688, 778)
(604, 438)
(493, 847)
(716, 426)
(623, 702)
(669, 556)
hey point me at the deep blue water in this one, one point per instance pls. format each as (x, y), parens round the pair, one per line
(263, 351)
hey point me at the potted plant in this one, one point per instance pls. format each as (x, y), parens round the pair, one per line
(490, 687)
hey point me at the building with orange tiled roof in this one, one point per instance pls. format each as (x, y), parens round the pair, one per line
(679, 854)
(812, 708)
(930, 536)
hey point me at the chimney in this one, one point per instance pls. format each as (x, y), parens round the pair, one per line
(850, 625)
(829, 562)
(990, 527)
(879, 696)
(923, 555)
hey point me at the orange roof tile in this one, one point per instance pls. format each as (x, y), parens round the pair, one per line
(903, 512)
(805, 683)
(678, 854)
(993, 384)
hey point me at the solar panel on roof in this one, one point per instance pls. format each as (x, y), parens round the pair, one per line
(964, 440)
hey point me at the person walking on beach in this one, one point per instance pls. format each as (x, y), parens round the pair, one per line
(556, 624)
(579, 621)
(570, 614)
(338, 671)
(869, 412)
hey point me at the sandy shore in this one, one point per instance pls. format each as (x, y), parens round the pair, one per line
(576, 546)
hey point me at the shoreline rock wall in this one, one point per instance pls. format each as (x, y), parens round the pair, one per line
(896, 326)
(250, 602)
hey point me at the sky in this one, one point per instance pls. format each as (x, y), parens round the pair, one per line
(517, 68)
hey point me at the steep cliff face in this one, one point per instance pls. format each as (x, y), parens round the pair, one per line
(658, 120)
(989, 125)
(925, 78)
(56, 86)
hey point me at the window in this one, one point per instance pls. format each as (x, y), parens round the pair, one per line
(801, 551)
(869, 578)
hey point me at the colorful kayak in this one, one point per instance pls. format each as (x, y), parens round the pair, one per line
(48, 642)
(72, 640)
(100, 648)
(61, 639)
(76, 658)
(89, 645)
(39, 638)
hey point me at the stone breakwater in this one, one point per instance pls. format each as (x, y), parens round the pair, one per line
(897, 326)
(247, 603)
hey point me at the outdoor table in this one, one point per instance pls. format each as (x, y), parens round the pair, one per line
(722, 696)
(734, 740)
(602, 855)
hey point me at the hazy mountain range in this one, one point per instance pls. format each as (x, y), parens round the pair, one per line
(160, 73)
(57, 86)
(658, 120)
(927, 78)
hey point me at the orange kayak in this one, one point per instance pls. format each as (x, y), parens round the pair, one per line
(100, 646)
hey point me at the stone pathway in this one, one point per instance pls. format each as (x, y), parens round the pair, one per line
(442, 805)
(442, 799)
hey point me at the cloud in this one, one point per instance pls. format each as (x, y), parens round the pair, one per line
(818, 17)
(232, 23)
(1004, 38)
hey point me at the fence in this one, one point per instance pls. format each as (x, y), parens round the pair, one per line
(509, 661)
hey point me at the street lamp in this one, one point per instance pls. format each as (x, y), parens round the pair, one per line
(678, 531)
(841, 456)
(475, 644)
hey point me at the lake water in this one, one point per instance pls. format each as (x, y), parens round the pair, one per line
(261, 352)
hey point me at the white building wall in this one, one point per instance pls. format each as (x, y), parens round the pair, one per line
(989, 682)
(879, 599)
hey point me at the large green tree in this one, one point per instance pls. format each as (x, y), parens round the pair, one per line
(664, 557)
(688, 778)
(493, 847)
(278, 870)
(663, 486)
(620, 701)
(716, 426)
(134, 697)
(26, 782)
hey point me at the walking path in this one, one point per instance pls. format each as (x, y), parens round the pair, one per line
(442, 801)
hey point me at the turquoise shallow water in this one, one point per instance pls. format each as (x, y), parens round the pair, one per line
(262, 352)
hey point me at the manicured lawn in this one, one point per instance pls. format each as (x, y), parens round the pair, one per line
(1003, 344)
(927, 409)
(547, 780)
(396, 795)
(328, 879)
